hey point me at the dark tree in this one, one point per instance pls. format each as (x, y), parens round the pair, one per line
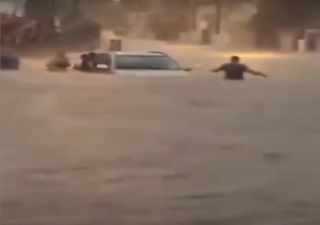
(278, 14)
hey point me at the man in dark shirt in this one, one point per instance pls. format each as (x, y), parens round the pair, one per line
(235, 70)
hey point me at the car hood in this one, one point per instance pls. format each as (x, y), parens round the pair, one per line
(152, 72)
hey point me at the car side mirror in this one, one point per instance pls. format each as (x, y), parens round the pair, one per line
(187, 69)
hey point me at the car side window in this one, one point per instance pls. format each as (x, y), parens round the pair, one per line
(103, 59)
(149, 62)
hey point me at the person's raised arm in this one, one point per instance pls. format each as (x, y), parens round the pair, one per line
(219, 69)
(256, 73)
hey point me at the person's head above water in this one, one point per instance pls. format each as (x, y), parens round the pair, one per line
(60, 53)
(84, 56)
(92, 55)
(235, 59)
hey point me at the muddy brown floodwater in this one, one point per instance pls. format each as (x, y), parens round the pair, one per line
(80, 149)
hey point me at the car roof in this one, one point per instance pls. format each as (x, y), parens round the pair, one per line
(131, 53)
(151, 53)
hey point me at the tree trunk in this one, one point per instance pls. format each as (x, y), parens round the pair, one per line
(218, 16)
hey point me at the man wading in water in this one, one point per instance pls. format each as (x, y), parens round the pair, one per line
(235, 70)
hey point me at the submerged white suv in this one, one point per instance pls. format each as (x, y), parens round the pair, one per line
(140, 64)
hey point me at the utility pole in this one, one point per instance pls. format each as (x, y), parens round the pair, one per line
(218, 16)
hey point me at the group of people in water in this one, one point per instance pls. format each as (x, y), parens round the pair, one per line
(234, 70)
(61, 62)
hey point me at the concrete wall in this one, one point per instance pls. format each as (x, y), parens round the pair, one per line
(287, 38)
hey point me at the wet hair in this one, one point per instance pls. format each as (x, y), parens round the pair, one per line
(92, 54)
(235, 58)
(84, 56)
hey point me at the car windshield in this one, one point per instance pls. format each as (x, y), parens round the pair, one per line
(146, 62)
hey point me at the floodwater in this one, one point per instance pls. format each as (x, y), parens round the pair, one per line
(91, 149)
